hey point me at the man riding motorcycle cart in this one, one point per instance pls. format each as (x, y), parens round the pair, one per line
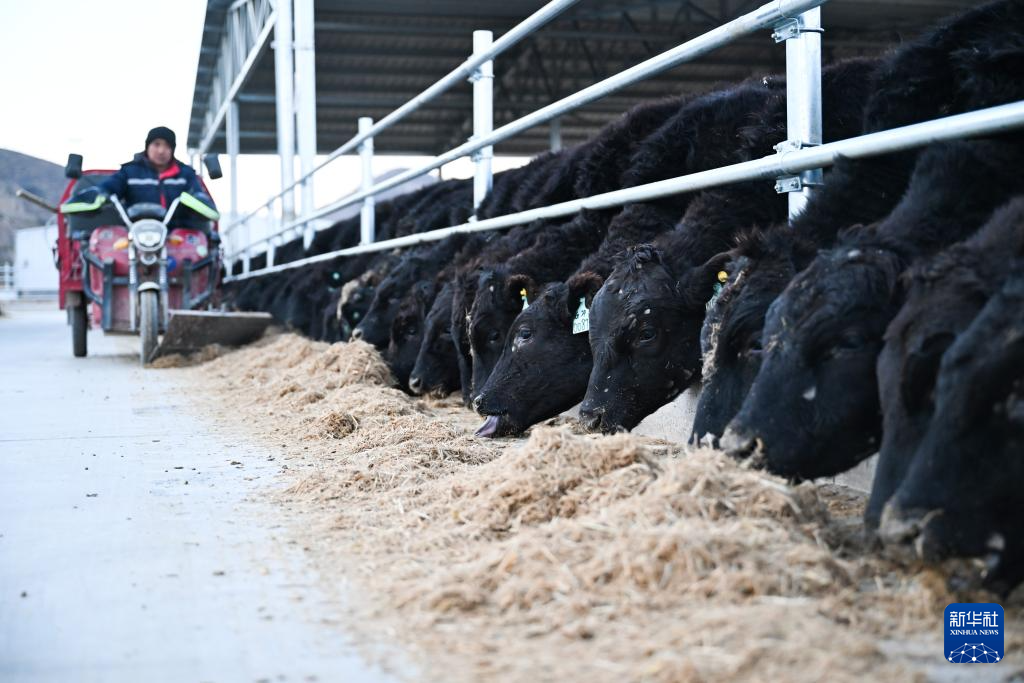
(150, 226)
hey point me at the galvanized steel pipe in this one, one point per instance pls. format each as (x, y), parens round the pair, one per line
(989, 121)
(765, 16)
(458, 75)
(483, 116)
(367, 217)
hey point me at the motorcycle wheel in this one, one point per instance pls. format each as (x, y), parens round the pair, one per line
(79, 330)
(149, 324)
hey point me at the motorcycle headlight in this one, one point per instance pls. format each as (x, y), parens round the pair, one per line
(148, 234)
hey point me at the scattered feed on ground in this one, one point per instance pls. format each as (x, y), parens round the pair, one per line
(570, 556)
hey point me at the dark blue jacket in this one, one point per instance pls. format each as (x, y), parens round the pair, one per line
(138, 181)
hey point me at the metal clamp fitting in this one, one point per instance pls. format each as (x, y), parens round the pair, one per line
(798, 182)
(480, 73)
(791, 28)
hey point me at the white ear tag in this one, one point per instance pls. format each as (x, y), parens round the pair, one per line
(581, 323)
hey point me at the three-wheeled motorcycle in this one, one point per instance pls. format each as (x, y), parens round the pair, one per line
(144, 269)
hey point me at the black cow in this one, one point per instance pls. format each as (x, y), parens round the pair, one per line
(962, 65)
(357, 294)
(964, 489)
(763, 263)
(436, 368)
(555, 253)
(664, 303)
(944, 294)
(407, 331)
(594, 167)
(710, 127)
(515, 190)
(516, 396)
(416, 265)
(813, 409)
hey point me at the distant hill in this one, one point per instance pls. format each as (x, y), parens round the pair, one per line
(41, 177)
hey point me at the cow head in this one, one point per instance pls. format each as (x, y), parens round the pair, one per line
(758, 269)
(644, 337)
(962, 492)
(375, 327)
(943, 296)
(436, 370)
(813, 409)
(500, 296)
(407, 331)
(463, 293)
(543, 368)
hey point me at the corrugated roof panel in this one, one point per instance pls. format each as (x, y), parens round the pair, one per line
(369, 63)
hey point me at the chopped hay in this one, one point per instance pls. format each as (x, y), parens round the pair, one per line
(182, 360)
(571, 556)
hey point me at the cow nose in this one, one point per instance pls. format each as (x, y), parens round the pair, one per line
(590, 418)
(357, 333)
(415, 385)
(897, 526)
(736, 444)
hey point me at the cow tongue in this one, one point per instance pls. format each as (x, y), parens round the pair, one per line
(489, 427)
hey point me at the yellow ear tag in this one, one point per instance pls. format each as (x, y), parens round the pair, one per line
(522, 293)
(723, 276)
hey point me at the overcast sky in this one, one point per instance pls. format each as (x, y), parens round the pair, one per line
(93, 76)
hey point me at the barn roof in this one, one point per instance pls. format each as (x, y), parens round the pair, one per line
(373, 56)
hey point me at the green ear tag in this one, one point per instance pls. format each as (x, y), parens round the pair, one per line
(723, 277)
(522, 293)
(581, 323)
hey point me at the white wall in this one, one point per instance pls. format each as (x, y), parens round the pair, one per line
(34, 272)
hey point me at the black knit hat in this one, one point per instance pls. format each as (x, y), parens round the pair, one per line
(162, 133)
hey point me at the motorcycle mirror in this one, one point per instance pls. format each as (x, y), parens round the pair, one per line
(73, 169)
(212, 162)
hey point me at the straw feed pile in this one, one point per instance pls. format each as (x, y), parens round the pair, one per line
(569, 556)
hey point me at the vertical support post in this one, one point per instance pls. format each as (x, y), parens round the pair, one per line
(232, 140)
(803, 100)
(483, 116)
(247, 237)
(367, 228)
(305, 94)
(555, 134)
(284, 74)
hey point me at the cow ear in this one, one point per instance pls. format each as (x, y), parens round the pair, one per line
(583, 286)
(919, 371)
(701, 284)
(521, 291)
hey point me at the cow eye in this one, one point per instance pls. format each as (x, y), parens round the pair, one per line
(851, 341)
(493, 337)
(525, 333)
(647, 334)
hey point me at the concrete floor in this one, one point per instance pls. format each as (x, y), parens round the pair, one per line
(134, 544)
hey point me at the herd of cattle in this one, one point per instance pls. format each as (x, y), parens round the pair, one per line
(887, 317)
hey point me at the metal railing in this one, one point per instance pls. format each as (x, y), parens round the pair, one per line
(796, 167)
(784, 164)
(794, 21)
(465, 71)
